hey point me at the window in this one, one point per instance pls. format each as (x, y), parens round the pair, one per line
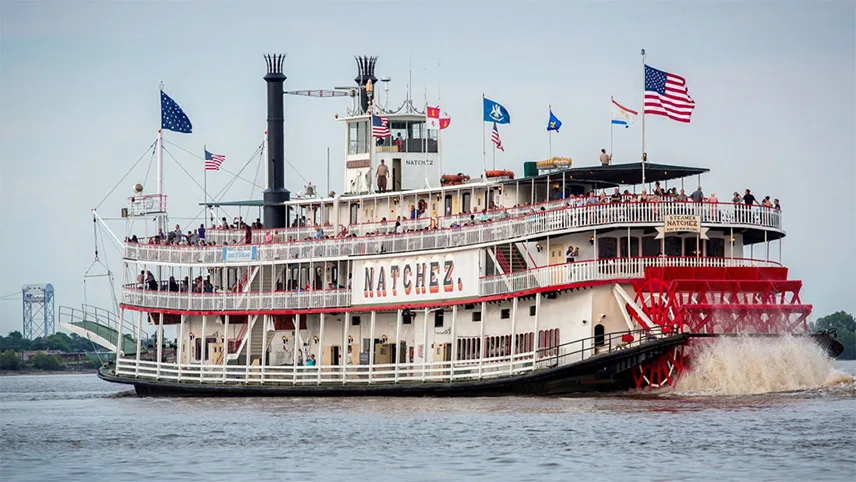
(607, 248)
(532, 310)
(358, 137)
(438, 319)
(673, 246)
(715, 247)
(476, 315)
(465, 202)
(447, 209)
(355, 210)
(690, 245)
(634, 247)
(650, 246)
(355, 321)
(598, 335)
(505, 313)
(407, 317)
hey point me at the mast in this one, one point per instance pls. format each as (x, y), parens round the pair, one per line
(643, 119)
(161, 223)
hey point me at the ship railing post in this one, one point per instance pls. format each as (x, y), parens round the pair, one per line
(454, 344)
(263, 363)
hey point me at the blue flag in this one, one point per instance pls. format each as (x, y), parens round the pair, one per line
(495, 112)
(172, 117)
(554, 124)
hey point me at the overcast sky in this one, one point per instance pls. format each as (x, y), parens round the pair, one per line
(773, 84)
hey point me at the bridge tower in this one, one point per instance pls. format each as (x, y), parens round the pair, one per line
(39, 312)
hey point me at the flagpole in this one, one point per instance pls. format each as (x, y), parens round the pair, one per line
(494, 158)
(643, 118)
(204, 182)
(611, 100)
(439, 127)
(161, 223)
(484, 154)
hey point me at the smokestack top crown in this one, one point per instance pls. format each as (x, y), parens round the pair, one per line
(365, 70)
(274, 68)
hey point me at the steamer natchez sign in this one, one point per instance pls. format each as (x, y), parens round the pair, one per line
(416, 278)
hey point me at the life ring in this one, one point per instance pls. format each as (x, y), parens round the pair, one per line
(499, 173)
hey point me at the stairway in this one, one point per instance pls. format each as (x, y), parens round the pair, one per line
(98, 326)
(257, 339)
(510, 258)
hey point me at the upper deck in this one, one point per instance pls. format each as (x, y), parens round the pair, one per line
(757, 223)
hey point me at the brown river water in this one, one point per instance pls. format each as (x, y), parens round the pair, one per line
(782, 413)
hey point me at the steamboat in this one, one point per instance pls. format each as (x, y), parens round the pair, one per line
(560, 279)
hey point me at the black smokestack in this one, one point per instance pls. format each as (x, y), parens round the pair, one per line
(276, 193)
(365, 72)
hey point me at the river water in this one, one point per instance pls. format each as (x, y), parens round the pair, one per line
(801, 427)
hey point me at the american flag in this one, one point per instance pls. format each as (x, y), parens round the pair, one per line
(666, 94)
(494, 137)
(213, 161)
(380, 126)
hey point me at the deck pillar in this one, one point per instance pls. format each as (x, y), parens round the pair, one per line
(537, 327)
(481, 336)
(180, 348)
(226, 342)
(120, 347)
(454, 343)
(397, 342)
(204, 359)
(372, 344)
(346, 347)
(513, 336)
(320, 364)
(263, 362)
(160, 343)
(425, 344)
(139, 341)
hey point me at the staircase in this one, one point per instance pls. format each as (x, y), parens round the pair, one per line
(256, 339)
(510, 258)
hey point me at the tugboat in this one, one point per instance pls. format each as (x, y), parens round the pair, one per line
(560, 280)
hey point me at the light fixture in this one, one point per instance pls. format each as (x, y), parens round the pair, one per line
(315, 338)
(383, 338)
(591, 240)
(350, 339)
(538, 247)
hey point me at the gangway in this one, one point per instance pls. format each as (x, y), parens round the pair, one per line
(100, 326)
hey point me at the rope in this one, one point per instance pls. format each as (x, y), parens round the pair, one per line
(221, 167)
(126, 174)
(183, 169)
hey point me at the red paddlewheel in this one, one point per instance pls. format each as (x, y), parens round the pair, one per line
(662, 371)
(660, 302)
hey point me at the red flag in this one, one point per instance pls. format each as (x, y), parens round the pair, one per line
(444, 122)
(432, 112)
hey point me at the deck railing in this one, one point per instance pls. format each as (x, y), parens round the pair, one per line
(534, 223)
(554, 275)
(391, 373)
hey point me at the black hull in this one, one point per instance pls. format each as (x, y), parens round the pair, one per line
(599, 373)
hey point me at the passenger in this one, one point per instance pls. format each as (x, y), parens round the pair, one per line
(382, 173)
(310, 362)
(697, 195)
(200, 233)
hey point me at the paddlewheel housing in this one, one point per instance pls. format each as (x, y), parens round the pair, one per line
(713, 301)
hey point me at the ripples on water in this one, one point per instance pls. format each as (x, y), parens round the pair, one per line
(76, 427)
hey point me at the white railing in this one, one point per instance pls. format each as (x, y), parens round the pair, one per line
(555, 275)
(446, 371)
(536, 222)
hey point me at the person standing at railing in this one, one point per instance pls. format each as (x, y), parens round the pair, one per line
(605, 159)
(382, 173)
(714, 206)
(749, 201)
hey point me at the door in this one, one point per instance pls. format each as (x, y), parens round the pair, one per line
(396, 174)
(447, 205)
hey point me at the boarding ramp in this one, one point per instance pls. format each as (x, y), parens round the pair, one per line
(100, 327)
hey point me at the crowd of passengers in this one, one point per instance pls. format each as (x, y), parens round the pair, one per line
(418, 210)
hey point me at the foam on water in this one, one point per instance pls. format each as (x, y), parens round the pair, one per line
(756, 365)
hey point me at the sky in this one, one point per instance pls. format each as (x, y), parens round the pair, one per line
(773, 84)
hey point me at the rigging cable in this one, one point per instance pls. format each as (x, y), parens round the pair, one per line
(126, 174)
